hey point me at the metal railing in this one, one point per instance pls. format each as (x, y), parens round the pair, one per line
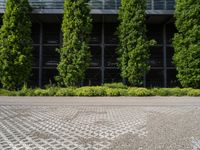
(97, 4)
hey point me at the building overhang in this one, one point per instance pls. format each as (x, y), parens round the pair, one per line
(97, 11)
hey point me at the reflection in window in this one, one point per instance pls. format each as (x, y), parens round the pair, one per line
(110, 4)
(96, 4)
(110, 33)
(170, 30)
(159, 4)
(34, 79)
(36, 33)
(170, 53)
(110, 56)
(148, 5)
(50, 56)
(156, 58)
(95, 37)
(48, 76)
(172, 81)
(155, 32)
(112, 75)
(96, 56)
(155, 78)
(51, 34)
(93, 77)
(35, 55)
(170, 4)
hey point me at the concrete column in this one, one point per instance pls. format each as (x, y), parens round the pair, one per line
(40, 55)
(165, 55)
(102, 51)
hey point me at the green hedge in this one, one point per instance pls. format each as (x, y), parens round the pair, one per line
(116, 89)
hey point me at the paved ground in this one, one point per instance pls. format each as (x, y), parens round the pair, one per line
(119, 123)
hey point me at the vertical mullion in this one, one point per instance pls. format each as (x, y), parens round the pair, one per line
(102, 51)
(40, 55)
(164, 55)
(152, 4)
(165, 4)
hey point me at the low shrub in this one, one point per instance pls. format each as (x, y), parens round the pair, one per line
(106, 90)
(194, 92)
(139, 92)
(115, 85)
(161, 92)
(51, 91)
(90, 91)
(170, 91)
(41, 92)
(4, 92)
(65, 92)
(116, 92)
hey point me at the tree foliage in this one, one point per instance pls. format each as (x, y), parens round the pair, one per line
(74, 54)
(134, 45)
(187, 42)
(15, 45)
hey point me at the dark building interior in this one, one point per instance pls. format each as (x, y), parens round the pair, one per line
(47, 37)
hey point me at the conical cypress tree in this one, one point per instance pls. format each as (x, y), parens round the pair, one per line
(15, 45)
(74, 54)
(133, 44)
(187, 42)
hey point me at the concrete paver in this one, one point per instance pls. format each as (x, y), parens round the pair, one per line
(119, 123)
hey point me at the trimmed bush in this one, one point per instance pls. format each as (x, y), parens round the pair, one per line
(90, 91)
(116, 92)
(194, 92)
(134, 46)
(74, 54)
(65, 92)
(187, 42)
(115, 85)
(41, 92)
(102, 91)
(139, 92)
(15, 45)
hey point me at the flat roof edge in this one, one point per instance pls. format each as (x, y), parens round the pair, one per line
(97, 11)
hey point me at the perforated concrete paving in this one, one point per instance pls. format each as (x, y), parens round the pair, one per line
(83, 127)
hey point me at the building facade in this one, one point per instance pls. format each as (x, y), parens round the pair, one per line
(47, 37)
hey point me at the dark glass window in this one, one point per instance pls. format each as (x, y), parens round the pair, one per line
(170, 53)
(155, 32)
(159, 4)
(51, 33)
(156, 58)
(110, 33)
(112, 75)
(110, 56)
(50, 56)
(93, 77)
(95, 37)
(48, 76)
(96, 4)
(34, 79)
(35, 54)
(110, 4)
(170, 30)
(36, 33)
(172, 81)
(155, 78)
(96, 56)
(171, 4)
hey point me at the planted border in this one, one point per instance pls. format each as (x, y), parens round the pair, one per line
(106, 90)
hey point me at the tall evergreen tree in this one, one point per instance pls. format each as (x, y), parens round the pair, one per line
(187, 42)
(134, 46)
(15, 45)
(74, 54)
